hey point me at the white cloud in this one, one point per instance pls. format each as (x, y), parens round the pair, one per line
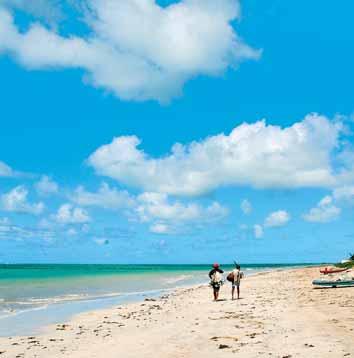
(258, 231)
(257, 155)
(105, 197)
(160, 229)
(71, 232)
(274, 219)
(6, 171)
(246, 206)
(19, 233)
(137, 49)
(277, 218)
(16, 201)
(168, 217)
(157, 206)
(163, 214)
(46, 186)
(325, 211)
(67, 214)
(345, 193)
(325, 201)
(328, 208)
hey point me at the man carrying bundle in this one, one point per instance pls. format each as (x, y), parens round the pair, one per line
(216, 280)
(235, 278)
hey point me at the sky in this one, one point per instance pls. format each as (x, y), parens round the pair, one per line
(190, 131)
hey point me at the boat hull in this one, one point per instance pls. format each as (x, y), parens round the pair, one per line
(322, 283)
(329, 271)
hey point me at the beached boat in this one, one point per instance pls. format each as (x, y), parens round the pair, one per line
(342, 280)
(333, 283)
(330, 270)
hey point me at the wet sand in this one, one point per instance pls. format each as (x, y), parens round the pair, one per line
(279, 315)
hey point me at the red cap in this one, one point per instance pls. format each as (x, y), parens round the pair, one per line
(216, 265)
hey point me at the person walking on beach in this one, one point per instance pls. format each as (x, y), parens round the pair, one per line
(215, 276)
(237, 276)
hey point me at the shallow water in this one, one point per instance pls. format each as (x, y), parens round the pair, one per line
(32, 296)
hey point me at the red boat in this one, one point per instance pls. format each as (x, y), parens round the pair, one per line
(327, 270)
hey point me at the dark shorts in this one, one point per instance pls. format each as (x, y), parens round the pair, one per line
(215, 286)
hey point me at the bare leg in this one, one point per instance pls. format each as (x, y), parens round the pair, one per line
(216, 293)
(238, 292)
(233, 292)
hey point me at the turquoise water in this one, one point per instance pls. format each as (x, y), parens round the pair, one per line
(50, 293)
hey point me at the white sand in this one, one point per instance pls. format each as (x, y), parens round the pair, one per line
(279, 315)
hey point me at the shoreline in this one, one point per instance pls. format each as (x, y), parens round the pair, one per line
(66, 309)
(279, 314)
(170, 291)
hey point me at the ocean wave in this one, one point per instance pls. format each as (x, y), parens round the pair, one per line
(58, 299)
(14, 307)
(173, 280)
(13, 312)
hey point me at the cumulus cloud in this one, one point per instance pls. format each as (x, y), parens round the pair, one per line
(277, 218)
(163, 214)
(258, 231)
(67, 214)
(167, 216)
(325, 211)
(345, 193)
(256, 155)
(46, 186)
(246, 206)
(160, 229)
(157, 206)
(16, 200)
(106, 197)
(136, 49)
(329, 207)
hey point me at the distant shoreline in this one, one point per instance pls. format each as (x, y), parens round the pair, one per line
(156, 264)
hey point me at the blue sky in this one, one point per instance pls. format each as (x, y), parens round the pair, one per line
(185, 131)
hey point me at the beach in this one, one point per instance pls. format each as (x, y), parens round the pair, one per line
(36, 295)
(279, 315)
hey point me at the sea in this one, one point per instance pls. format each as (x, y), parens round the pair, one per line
(35, 296)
